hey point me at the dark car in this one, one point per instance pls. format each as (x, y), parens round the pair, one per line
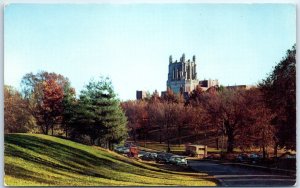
(163, 157)
(254, 158)
(148, 156)
(242, 158)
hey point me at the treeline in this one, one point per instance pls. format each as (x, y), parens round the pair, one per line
(260, 117)
(48, 104)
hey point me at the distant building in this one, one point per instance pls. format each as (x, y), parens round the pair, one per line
(205, 84)
(235, 87)
(182, 76)
(163, 93)
(141, 95)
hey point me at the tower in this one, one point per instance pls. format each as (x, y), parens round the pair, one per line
(182, 76)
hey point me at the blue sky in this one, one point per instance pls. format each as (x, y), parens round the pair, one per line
(131, 43)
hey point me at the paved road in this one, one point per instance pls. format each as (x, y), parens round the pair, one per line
(235, 175)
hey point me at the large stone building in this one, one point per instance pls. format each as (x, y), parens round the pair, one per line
(182, 76)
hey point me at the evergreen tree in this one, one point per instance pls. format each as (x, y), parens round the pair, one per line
(99, 114)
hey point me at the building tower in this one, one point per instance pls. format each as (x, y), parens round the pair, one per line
(182, 76)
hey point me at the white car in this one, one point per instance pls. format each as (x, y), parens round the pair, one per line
(178, 160)
(122, 149)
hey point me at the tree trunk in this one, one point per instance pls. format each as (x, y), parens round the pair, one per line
(43, 130)
(264, 152)
(52, 129)
(230, 143)
(109, 145)
(47, 129)
(134, 134)
(179, 135)
(66, 133)
(230, 137)
(275, 150)
(168, 141)
(217, 143)
(160, 134)
(92, 140)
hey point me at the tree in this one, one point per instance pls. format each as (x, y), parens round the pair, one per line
(44, 93)
(155, 112)
(279, 90)
(68, 108)
(256, 129)
(136, 114)
(99, 114)
(17, 118)
(236, 113)
(199, 101)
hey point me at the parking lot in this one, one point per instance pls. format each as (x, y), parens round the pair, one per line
(159, 157)
(238, 172)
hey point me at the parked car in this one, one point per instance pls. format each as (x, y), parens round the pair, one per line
(163, 157)
(178, 160)
(288, 155)
(141, 153)
(118, 149)
(148, 156)
(122, 149)
(254, 158)
(242, 158)
(153, 155)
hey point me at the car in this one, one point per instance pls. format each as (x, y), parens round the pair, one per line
(148, 156)
(163, 157)
(178, 160)
(118, 149)
(160, 157)
(122, 149)
(253, 158)
(141, 153)
(153, 155)
(242, 158)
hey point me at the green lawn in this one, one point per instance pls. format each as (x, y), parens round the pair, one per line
(40, 160)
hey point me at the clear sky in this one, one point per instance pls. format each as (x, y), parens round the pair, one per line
(131, 43)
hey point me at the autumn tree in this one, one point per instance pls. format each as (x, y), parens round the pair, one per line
(44, 93)
(279, 90)
(172, 113)
(256, 129)
(17, 118)
(198, 100)
(136, 113)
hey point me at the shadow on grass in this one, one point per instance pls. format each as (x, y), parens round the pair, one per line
(22, 173)
(62, 157)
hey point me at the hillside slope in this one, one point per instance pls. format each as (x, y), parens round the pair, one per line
(33, 159)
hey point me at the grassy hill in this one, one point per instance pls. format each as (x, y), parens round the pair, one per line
(39, 160)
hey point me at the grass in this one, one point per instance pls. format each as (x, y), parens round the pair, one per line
(41, 160)
(156, 146)
(179, 149)
(160, 147)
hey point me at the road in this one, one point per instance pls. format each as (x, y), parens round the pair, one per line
(237, 175)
